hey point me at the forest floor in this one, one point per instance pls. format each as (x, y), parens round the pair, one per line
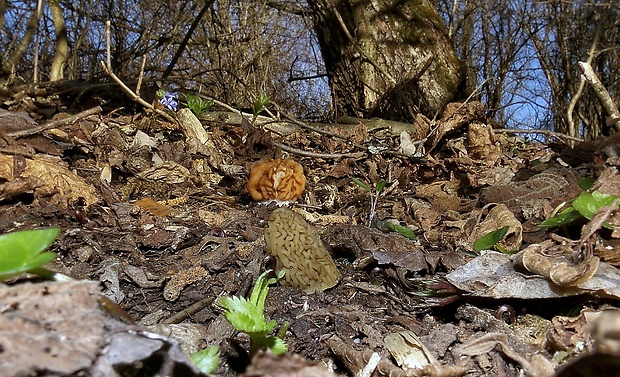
(164, 225)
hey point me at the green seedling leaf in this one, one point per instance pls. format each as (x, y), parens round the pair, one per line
(589, 203)
(247, 315)
(244, 315)
(259, 104)
(196, 104)
(25, 250)
(275, 344)
(586, 183)
(567, 216)
(403, 231)
(207, 360)
(379, 186)
(361, 184)
(491, 239)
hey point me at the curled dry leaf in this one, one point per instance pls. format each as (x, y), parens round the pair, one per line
(559, 263)
(441, 194)
(277, 179)
(482, 143)
(537, 196)
(46, 177)
(408, 350)
(499, 217)
(537, 366)
(300, 252)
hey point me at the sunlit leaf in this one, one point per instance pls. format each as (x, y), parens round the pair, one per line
(589, 203)
(567, 216)
(491, 239)
(25, 250)
(361, 184)
(207, 360)
(379, 186)
(403, 231)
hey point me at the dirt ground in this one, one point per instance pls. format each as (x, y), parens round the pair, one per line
(157, 213)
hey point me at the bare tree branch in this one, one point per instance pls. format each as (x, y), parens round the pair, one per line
(602, 94)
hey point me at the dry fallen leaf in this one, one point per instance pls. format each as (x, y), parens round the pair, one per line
(558, 262)
(408, 351)
(45, 177)
(56, 327)
(499, 217)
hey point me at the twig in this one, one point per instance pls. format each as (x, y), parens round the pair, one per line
(601, 93)
(318, 130)
(543, 132)
(55, 123)
(108, 70)
(189, 311)
(326, 156)
(227, 107)
(186, 39)
(141, 75)
(108, 44)
(572, 128)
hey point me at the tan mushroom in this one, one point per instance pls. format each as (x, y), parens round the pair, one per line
(276, 179)
(299, 250)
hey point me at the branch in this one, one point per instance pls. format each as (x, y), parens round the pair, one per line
(55, 123)
(572, 128)
(186, 39)
(602, 94)
(542, 132)
(108, 70)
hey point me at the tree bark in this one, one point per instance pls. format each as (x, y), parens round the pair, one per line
(62, 43)
(389, 58)
(27, 38)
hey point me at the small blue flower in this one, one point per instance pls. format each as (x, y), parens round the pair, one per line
(170, 100)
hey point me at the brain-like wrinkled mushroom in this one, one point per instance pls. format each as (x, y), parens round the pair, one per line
(298, 249)
(276, 180)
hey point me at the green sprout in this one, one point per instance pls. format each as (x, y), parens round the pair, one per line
(207, 360)
(247, 316)
(491, 241)
(160, 93)
(374, 197)
(24, 251)
(259, 105)
(197, 104)
(403, 231)
(586, 205)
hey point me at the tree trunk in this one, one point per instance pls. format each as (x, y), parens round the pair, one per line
(22, 46)
(62, 43)
(389, 58)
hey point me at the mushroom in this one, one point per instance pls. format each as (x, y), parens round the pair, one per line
(299, 250)
(276, 180)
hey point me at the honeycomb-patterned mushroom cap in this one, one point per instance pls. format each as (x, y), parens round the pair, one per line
(300, 252)
(276, 180)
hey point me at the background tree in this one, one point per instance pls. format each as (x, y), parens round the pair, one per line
(525, 56)
(521, 55)
(391, 57)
